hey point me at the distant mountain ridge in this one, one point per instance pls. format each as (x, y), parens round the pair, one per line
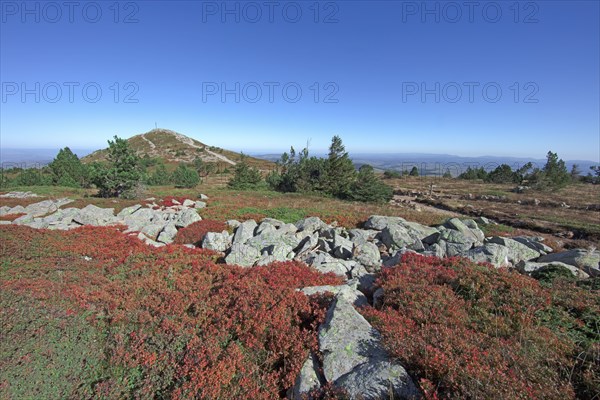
(431, 164)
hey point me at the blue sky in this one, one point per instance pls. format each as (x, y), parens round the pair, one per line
(387, 76)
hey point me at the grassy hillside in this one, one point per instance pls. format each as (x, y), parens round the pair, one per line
(173, 148)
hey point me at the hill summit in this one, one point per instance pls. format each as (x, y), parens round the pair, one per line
(173, 148)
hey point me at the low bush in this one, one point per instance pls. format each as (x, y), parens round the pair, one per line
(169, 322)
(194, 233)
(472, 331)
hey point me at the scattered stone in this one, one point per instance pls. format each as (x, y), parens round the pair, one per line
(244, 231)
(168, 233)
(19, 195)
(492, 253)
(307, 379)
(354, 359)
(516, 251)
(187, 217)
(217, 241)
(585, 260)
(242, 255)
(310, 224)
(527, 267)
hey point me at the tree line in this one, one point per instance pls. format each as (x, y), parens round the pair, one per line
(334, 176)
(553, 175)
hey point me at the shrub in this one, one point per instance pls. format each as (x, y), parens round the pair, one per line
(185, 177)
(67, 169)
(194, 233)
(245, 177)
(472, 331)
(160, 176)
(122, 172)
(368, 187)
(155, 323)
(391, 174)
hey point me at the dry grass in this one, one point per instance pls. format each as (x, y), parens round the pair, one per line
(516, 209)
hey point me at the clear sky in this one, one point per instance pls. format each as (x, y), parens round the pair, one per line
(466, 78)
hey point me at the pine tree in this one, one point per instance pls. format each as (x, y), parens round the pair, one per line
(122, 172)
(185, 177)
(555, 174)
(245, 176)
(340, 170)
(368, 187)
(67, 169)
(414, 172)
(160, 176)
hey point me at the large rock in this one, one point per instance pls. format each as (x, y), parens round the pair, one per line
(138, 219)
(375, 380)
(128, 210)
(95, 216)
(326, 263)
(152, 230)
(168, 233)
(358, 236)
(243, 255)
(516, 251)
(187, 217)
(310, 224)
(307, 244)
(528, 267)
(452, 242)
(307, 379)
(272, 238)
(380, 222)
(244, 231)
(265, 227)
(342, 247)
(346, 340)
(272, 221)
(534, 243)
(348, 292)
(492, 253)
(585, 260)
(354, 359)
(367, 254)
(468, 229)
(217, 241)
(45, 207)
(18, 209)
(396, 236)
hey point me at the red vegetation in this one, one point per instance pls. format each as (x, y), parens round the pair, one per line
(177, 325)
(11, 217)
(472, 331)
(194, 233)
(168, 201)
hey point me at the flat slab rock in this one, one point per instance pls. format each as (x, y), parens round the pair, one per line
(354, 359)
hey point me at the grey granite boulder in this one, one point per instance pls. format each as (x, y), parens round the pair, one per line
(516, 251)
(528, 267)
(585, 260)
(493, 253)
(244, 231)
(217, 241)
(187, 217)
(307, 379)
(310, 224)
(243, 255)
(354, 359)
